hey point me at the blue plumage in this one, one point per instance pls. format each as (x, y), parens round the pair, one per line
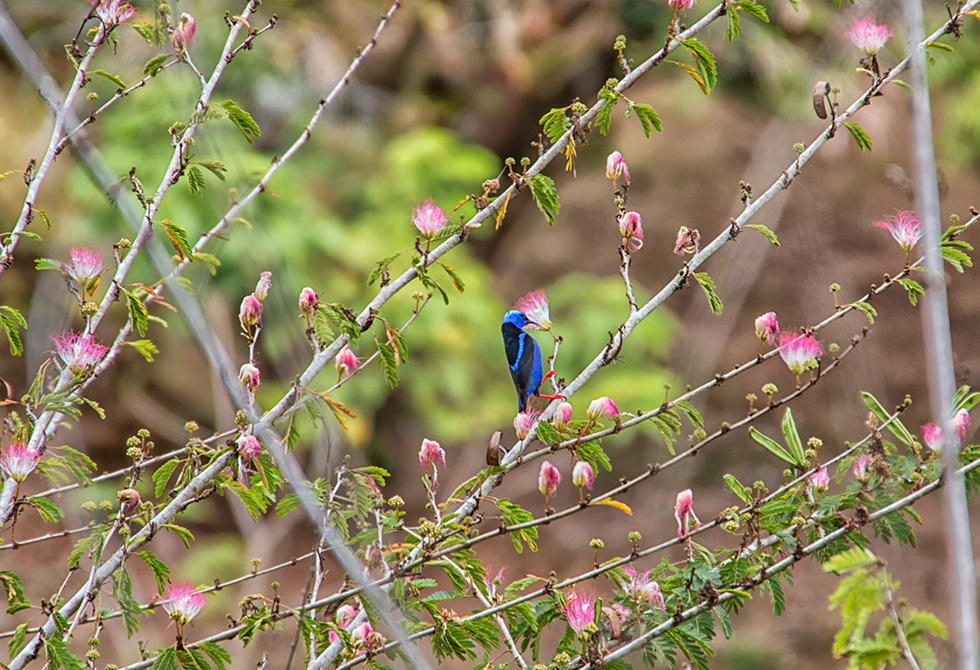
(523, 357)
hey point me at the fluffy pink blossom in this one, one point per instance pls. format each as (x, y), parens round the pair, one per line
(580, 610)
(583, 475)
(250, 313)
(308, 301)
(366, 638)
(640, 586)
(616, 167)
(182, 602)
(18, 461)
(250, 377)
(80, 353)
(933, 435)
(602, 407)
(904, 227)
(678, 5)
(563, 415)
(688, 241)
(523, 423)
(767, 327)
(345, 614)
(631, 228)
(534, 306)
(183, 37)
(263, 286)
(429, 219)
(861, 467)
(345, 362)
(684, 513)
(799, 352)
(819, 481)
(493, 582)
(86, 268)
(868, 36)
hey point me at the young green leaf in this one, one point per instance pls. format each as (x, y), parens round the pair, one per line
(765, 232)
(243, 120)
(865, 308)
(155, 64)
(708, 286)
(195, 180)
(793, 437)
(178, 237)
(12, 322)
(138, 313)
(896, 427)
(914, 289)
(545, 196)
(860, 135)
(741, 492)
(773, 447)
(555, 123)
(704, 60)
(647, 116)
(111, 77)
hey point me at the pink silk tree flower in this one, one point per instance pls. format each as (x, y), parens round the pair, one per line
(432, 454)
(113, 12)
(250, 313)
(262, 287)
(962, 422)
(678, 5)
(308, 301)
(684, 513)
(580, 610)
(860, 467)
(688, 241)
(250, 377)
(933, 436)
(182, 602)
(868, 36)
(640, 586)
(534, 307)
(429, 219)
(81, 353)
(345, 614)
(17, 461)
(85, 268)
(799, 352)
(631, 228)
(249, 447)
(616, 167)
(905, 229)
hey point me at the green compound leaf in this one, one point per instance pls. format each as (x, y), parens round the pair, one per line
(647, 116)
(555, 123)
(111, 77)
(704, 61)
(860, 136)
(545, 196)
(896, 427)
(137, 311)
(914, 289)
(243, 120)
(154, 65)
(12, 322)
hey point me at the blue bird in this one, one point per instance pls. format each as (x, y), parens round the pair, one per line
(524, 358)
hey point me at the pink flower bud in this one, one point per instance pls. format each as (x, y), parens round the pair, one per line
(129, 500)
(113, 12)
(262, 288)
(250, 313)
(249, 376)
(548, 479)
(819, 481)
(429, 219)
(861, 467)
(616, 168)
(601, 407)
(684, 513)
(688, 241)
(631, 228)
(308, 301)
(249, 447)
(523, 423)
(563, 415)
(346, 362)
(962, 422)
(678, 5)
(767, 327)
(183, 36)
(582, 475)
(431, 453)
